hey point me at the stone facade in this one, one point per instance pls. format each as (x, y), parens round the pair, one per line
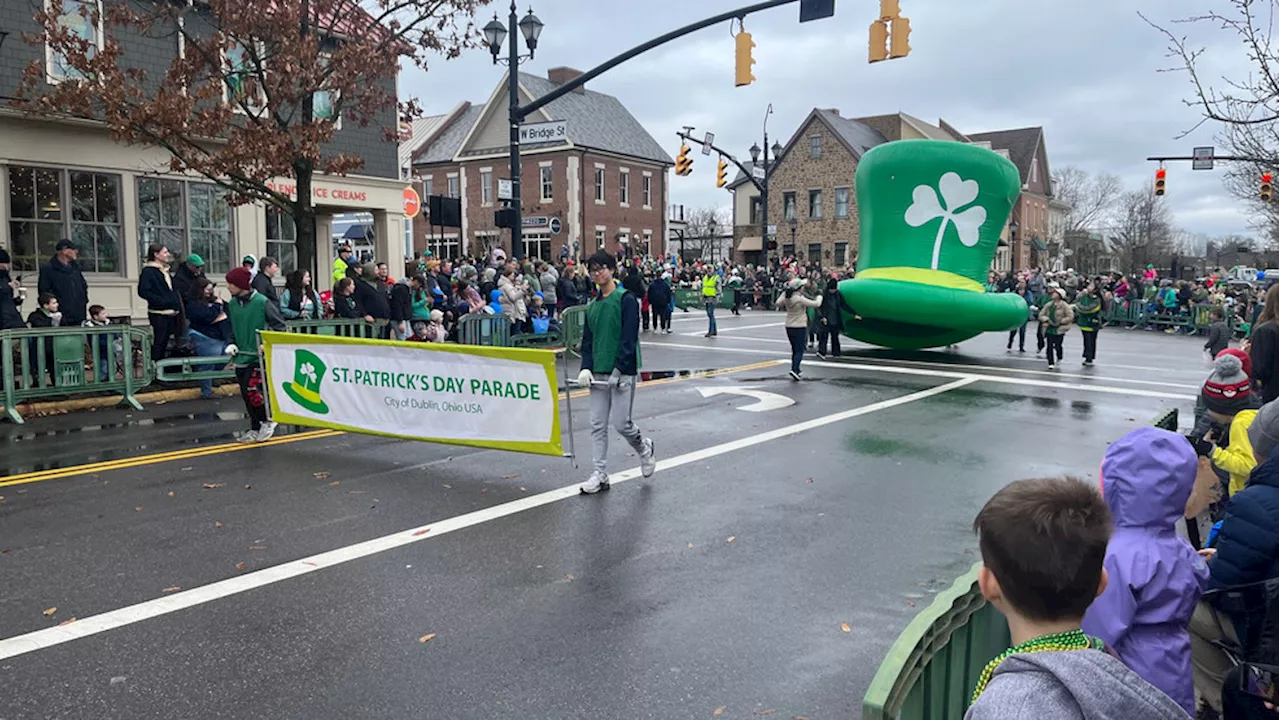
(800, 173)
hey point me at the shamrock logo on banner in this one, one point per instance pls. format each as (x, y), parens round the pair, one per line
(956, 194)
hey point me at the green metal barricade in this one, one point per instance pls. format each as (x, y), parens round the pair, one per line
(43, 363)
(340, 327)
(931, 670)
(484, 329)
(573, 323)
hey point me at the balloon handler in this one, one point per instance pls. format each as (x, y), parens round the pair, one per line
(931, 216)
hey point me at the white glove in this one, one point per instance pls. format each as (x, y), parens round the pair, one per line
(584, 378)
(231, 349)
(615, 377)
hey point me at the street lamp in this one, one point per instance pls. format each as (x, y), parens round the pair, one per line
(1013, 245)
(494, 35)
(711, 231)
(755, 152)
(793, 224)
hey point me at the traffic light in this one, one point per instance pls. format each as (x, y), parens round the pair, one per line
(684, 164)
(899, 32)
(742, 59)
(878, 46)
(1159, 182)
(771, 245)
(720, 173)
(1264, 192)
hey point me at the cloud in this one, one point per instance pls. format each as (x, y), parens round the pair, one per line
(1087, 71)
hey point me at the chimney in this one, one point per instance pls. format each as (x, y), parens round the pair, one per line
(562, 75)
(834, 111)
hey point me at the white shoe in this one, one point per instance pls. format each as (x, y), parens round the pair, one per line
(594, 484)
(794, 375)
(266, 431)
(648, 461)
(248, 436)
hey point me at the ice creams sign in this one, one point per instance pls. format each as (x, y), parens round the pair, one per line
(491, 397)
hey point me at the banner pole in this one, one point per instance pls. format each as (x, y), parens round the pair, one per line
(262, 368)
(568, 411)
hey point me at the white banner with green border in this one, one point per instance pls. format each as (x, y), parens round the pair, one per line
(502, 398)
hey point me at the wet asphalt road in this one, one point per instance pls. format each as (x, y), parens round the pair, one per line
(723, 581)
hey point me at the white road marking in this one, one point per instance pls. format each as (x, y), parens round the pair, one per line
(764, 400)
(736, 328)
(1136, 392)
(111, 620)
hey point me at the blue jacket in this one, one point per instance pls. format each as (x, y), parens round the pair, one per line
(1247, 543)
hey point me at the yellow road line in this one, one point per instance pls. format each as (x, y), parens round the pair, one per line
(143, 460)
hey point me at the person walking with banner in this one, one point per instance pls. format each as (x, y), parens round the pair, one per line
(611, 349)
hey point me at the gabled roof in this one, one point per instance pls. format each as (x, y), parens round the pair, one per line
(1023, 144)
(424, 129)
(741, 177)
(856, 137)
(596, 122)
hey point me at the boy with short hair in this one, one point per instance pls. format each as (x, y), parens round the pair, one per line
(1043, 544)
(98, 318)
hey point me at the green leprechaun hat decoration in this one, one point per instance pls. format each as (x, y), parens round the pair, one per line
(930, 217)
(308, 373)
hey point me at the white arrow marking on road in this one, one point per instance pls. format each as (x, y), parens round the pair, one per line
(765, 400)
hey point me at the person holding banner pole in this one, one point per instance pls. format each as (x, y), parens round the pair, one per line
(611, 349)
(251, 312)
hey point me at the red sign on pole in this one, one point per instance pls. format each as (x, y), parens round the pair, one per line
(412, 203)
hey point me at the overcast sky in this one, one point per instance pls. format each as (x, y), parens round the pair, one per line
(1084, 70)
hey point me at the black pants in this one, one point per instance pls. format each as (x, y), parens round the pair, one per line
(1090, 344)
(828, 331)
(1055, 348)
(663, 319)
(797, 336)
(1040, 342)
(163, 327)
(256, 408)
(1021, 333)
(644, 318)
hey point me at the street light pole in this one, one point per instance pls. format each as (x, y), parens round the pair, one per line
(764, 191)
(494, 33)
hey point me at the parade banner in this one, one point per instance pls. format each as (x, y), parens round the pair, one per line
(502, 398)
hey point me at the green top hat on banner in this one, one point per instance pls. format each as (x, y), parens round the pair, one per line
(930, 217)
(308, 373)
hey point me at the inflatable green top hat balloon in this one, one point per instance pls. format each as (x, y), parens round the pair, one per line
(931, 213)
(308, 373)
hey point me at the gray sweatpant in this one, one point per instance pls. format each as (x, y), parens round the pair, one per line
(612, 406)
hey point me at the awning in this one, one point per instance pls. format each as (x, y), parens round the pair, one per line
(359, 232)
(750, 244)
(1039, 244)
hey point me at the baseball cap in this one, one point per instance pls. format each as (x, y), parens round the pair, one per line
(195, 259)
(65, 244)
(248, 259)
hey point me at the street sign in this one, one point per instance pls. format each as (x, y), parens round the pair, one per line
(706, 143)
(504, 189)
(764, 400)
(555, 226)
(1068, 252)
(412, 203)
(757, 172)
(816, 9)
(554, 131)
(1202, 158)
(537, 221)
(773, 229)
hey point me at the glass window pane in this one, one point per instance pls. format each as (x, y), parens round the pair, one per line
(22, 192)
(82, 197)
(171, 210)
(108, 248)
(86, 239)
(148, 202)
(48, 235)
(198, 198)
(220, 212)
(48, 194)
(106, 190)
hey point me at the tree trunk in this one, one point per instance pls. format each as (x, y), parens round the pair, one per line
(304, 216)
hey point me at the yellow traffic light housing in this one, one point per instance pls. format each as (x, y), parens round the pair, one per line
(899, 32)
(1264, 191)
(889, 34)
(878, 45)
(684, 164)
(742, 59)
(721, 169)
(1159, 189)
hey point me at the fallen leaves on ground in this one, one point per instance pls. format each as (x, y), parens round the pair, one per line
(521, 490)
(51, 611)
(688, 545)
(213, 486)
(809, 480)
(68, 621)
(138, 509)
(187, 469)
(335, 483)
(217, 524)
(911, 603)
(484, 490)
(175, 588)
(320, 475)
(845, 627)
(569, 577)
(423, 531)
(719, 711)
(240, 565)
(248, 487)
(510, 477)
(170, 493)
(426, 638)
(731, 538)
(770, 711)
(257, 547)
(448, 487)
(357, 492)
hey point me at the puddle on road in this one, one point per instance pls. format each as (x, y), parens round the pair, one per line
(864, 442)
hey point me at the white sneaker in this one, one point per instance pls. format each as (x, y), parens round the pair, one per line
(594, 484)
(648, 461)
(248, 436)
(794, 375)
(266, 431)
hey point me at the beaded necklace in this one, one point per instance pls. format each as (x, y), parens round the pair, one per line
(1069, 640)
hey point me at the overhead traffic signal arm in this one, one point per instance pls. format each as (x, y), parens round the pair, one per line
(725, 159)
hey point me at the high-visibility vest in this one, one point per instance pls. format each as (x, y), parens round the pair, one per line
(709, 286)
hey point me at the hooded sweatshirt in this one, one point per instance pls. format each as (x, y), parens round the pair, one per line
(1070, 685)
(1155, 578)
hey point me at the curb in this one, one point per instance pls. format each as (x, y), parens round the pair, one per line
(61, 407)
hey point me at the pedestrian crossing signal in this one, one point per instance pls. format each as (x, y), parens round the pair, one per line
(684, 164)
(721, 169)
(1160, 182)
(1264, 192)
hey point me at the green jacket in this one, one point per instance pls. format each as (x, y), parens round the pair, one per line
(250, 313)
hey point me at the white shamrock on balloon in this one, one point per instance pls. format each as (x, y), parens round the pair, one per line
(956, 193)
(309, 370)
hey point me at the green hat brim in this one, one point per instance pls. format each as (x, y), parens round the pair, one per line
(946, 310)
(319, 407)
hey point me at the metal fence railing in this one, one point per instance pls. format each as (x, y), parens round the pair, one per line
(39, 363)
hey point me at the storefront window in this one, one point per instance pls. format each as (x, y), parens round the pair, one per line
(38, 198)
(537, 246)
(282, 239)
(186, 218)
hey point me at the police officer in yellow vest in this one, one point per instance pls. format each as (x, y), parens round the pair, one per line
(710, 294)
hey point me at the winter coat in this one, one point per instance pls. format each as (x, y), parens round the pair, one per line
(401, 302)
(512, 300)
(292, 307)
(67, 283)
(659, 294)
(797, 307)
(550, 282)
(1247, 541)
(1070, 685)
(1057, 317)
(372, 300)
(1155, 578)
(10, 318)
(566, 293)
(203, 318)
(344, 306)
(1263, 355)
(1237, 458)
(156, 287)
(1088, 312)
(263, 285)
(1219, 338)
(183, 278)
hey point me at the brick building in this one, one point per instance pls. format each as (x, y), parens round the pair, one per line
(1025, 147)
(603, 186)
(70, 179)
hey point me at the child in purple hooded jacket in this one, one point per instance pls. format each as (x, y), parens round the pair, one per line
(1155, 576)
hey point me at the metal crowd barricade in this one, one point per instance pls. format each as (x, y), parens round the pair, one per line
(39, 363)
(484, 329)
(573, 323)
(340, 327)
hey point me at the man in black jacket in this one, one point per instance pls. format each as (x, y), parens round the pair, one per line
(10, 318)
(186, 275)
(61, 277)
(268, 268)
(372, 299)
